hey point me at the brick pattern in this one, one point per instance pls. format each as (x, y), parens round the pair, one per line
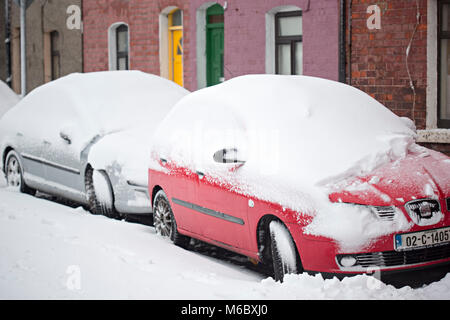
(142, 19)
(378, 57)
(244, 35)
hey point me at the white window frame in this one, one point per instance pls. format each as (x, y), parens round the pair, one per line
(112, 45)
(270, 35)
(432, 134)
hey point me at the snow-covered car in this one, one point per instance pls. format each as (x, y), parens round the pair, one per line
(84, 137)
(8, 98)
(301, 173)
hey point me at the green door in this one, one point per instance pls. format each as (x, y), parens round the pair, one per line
(214, 45)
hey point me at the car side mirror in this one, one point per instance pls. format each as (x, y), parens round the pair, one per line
(65, 137)
(230, 155)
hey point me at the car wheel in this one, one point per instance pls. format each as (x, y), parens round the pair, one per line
(164, 220)
(14, 174)
(99, 193)
(284, 254)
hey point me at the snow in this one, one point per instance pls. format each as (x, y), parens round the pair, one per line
(7, 98)
(285, 245)
(298, 135)
(87, 105)
(102, 189)
(51, 251)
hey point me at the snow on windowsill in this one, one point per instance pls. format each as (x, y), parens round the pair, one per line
(433, 136)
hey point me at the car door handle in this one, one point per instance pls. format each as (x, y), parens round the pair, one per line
(200, 174)
(47, 142)
(19, 134)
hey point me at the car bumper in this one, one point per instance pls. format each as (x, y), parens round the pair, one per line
(323, 255)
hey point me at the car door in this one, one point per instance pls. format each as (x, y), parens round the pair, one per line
(222, 212)
(61, 158)
(25, 136)
(182, 186)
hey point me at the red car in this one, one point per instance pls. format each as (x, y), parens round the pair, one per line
(301, 173)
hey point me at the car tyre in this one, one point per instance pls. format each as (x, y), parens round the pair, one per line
(14, 174)
(100, 201)
(164, 221)
(284, 255)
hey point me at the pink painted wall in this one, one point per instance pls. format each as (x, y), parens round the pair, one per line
(245, 37)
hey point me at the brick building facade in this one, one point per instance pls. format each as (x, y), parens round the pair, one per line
(399, 62)
(247, 26)
(52, 48)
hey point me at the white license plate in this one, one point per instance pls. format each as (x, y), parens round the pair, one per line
(427, 238)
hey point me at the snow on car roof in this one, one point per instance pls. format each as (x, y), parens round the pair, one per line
(296, 134)
(112, 100)
(319, 129)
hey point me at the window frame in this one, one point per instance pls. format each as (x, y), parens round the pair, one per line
(122, 54)
(55, 54)
(441, 35)
(291, 40)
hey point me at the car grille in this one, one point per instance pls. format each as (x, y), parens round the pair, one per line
(384, 213)
(422, 210)
(400, 258)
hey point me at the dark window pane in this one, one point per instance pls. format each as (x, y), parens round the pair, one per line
(299, 58)
(177, 18)
(445, 80)
(445, 24)
(122, 40)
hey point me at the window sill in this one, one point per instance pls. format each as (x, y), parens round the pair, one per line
(433, 136)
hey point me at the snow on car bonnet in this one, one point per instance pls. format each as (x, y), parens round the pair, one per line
(295, 134)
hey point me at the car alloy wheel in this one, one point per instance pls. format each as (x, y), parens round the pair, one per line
(14, 174)
(164, 220)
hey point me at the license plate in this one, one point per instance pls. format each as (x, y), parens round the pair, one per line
(427, 238)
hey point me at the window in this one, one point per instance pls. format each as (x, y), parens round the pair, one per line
(444, 65)
(54, 36)
(288, 43)
(122, 47)
(118, 46)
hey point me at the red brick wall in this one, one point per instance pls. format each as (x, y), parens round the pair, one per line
(378, 57)
(142, 19)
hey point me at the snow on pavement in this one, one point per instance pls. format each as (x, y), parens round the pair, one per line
(51, 251)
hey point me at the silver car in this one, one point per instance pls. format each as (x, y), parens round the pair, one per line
(84, 137)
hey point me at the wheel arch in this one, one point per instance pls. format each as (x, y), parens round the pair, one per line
(155, 190)
(263, 238)
(4, 155)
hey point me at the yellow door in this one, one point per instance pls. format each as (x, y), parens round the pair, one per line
(177, 56)
(176, 46)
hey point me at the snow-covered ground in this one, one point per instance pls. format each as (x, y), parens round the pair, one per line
(52, 251)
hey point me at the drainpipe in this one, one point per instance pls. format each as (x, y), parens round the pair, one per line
(349, 41)
(23, 59)
(8, 42)
(342, 53)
